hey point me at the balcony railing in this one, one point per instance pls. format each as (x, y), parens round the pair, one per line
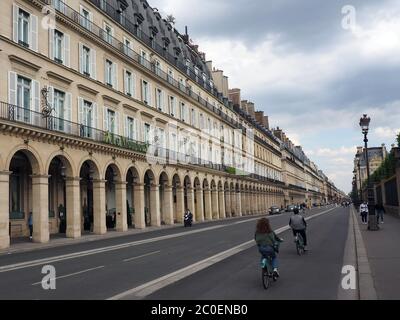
(130, 53)
(162, 155)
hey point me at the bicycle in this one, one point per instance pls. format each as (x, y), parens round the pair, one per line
(267, 272)
(299, 244)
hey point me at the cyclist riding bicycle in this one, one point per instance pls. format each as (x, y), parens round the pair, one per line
(267, 242)
(299, 225)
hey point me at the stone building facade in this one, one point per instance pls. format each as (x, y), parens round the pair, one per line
(111, 119)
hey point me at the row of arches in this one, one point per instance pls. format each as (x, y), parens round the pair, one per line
(89, 198)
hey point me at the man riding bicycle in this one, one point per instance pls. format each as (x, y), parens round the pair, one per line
(299, 225)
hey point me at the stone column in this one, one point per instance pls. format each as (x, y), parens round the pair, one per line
(243, 201)
(199, 205)
(4, 209)
(207, 202)
(215, 204)
(228, 204)
(221, 200)
(239, 204)
(180, 204)
(73, 195)
(138, 197)
(155, 205)
(40, 210)
(120, 206)
(168, 206)
(233, 203)
(190, 200)
(99, 207)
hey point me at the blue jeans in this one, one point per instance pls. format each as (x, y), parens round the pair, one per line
(379, 215)
(269, 252)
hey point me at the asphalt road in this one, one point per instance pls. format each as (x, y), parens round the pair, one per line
(105, 268)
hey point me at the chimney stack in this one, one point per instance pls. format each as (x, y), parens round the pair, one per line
(234, 96)
(266, 122)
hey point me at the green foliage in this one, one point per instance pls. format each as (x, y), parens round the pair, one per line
(385, 170)
(398, 140)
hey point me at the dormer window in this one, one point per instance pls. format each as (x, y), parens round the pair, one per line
(166, 42)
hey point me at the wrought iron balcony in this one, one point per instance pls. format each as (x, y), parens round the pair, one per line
(131, 54)
(162, 155)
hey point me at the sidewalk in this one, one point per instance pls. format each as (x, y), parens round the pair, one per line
(383, 254)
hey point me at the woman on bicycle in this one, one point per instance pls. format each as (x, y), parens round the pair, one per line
(267, 242)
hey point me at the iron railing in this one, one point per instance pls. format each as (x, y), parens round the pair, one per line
(133, 55)
(154, 152)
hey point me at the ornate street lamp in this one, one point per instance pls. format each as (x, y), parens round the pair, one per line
(372, 222)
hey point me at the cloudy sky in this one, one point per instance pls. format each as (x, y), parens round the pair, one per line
(313, 66)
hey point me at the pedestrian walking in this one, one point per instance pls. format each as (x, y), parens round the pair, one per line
(364, 212)
(380, 210)
(30, 225)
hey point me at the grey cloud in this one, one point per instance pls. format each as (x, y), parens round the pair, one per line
(302, 24)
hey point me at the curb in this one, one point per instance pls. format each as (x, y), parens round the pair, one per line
(349, 259)
(366, 288)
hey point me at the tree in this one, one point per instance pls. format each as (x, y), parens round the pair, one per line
(171, 19)
(398, 140)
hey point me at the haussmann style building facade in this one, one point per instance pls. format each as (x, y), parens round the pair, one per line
(111, 119)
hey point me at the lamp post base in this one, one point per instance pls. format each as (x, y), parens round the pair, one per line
(373, 223)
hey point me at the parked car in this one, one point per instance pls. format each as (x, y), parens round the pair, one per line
(274, 210)
(290, 208)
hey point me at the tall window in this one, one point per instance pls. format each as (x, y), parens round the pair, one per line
(111, 121)
(85, 18)
(59, 5)
(183, 111)
(23, 27)
(23, 99)
(86, 60)
(157, 65)
(130, 122)
(87, 119)
(201, 121)
(143, 57)
(59, 107)
(109, 75)
(146, 133)
(187, 67)
(108, 33)
(193, 123)
(127, 47)
(145, 92)
(170, 76)
(172, 106)
(139, 31)
(181, 84)
(58, 46)
(129, 83)
(159, 99)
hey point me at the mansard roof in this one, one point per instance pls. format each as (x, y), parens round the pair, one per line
(153, 25)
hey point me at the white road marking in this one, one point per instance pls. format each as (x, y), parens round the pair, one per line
(150, 287)
(143, 255)
(74, 255)
(71, 274)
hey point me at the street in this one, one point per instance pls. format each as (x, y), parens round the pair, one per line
(113, 268)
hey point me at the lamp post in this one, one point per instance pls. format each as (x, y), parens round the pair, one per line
(359, 178)
(372, 222)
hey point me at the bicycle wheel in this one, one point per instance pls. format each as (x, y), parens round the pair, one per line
(298, 248)
(300, 245)
(265, 278)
